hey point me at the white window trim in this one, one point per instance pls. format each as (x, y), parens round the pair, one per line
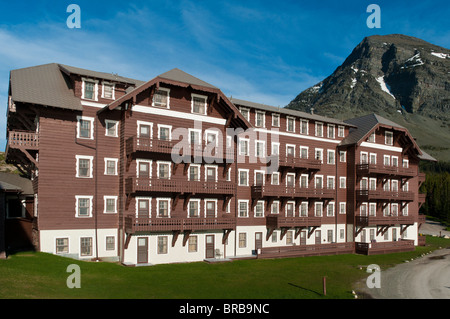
(386, 133)
(300, 209)
(158, 163)
(216, 168)
(287, 123)
(168, 98)
(263, 208)
(388, 159)
(263, 149)
(139, 123)
(342, 204)
(77, 197)
(321, 154)
(289, 174)
(405, 161)
(331, 204)
(248, 146)
(317, 124)
(344, 153)
(276, 115)
(307, 126)
(199, 134)
(189, 171)
(263, 118)
(307, 151)
(315, 180)
(344, 180)
(95, 89)
(307, 180)
(116, 123)
(341, 129)
(213, 132)
(331, 126)
(113, 90)
(116, 160)
(286, 206)
(201, 97)
(275, 203)
(239, 208)
(137, 199)
(91, 161)
(239, 176)
(215, 206)
(198, 205)
(271, 178)
(317, 213)
(328, 157)
(333, 178)
(165, 126)
(371, 156)
(138, 161)
(277, 144)
(168, 199)
(371, 179)
(105, 198)
(290, 146)
(361, 157)
(247, 110)
(85, 118)
(254, 176)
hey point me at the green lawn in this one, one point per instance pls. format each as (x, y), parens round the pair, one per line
(40, 275)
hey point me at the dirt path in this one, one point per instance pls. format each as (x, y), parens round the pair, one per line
(423, 278)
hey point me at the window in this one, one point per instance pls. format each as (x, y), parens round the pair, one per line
(318, 181)
(304, 152)
(395, 161)
(111, 166)
(145, 129)
(143, 168)
(318, 209)
(163, 207)
(143, 207)
(89, 89)
(110, 243)
(304, 209)
(342, 208)
(373, 183)
(371, 138)
(161, 98)
(111, 128)
(108, 91)
(394, 209)
(210, 173)
(259, 119)
(275, 178)
(342, 182)
(342, 156)
(192, 244)
(275, 148)
(242, 240)
(363, 209)
(388, 138)
(243, 147)
(405, 163)
(405, 210)
(304, 180)
(319, 129)
(243, 208)
(110, 203)
(331, 131)
(276, 120)
(289, 237)
(373, 158)
(84, 166)
(194, 208)
(290, 209)
(211, 208)
(243, 177)
(259, 209)
(198, 104)
(259, 178)
(162, 244)
(245, 113)
(164, 132)
(330, 182)
(194, 172)
(290, 180)
(319, 154)
(372, 209)
(211, 138)
(260, 149)
(85, 127)
(83, 206)
(62, 245)
(275, 207)
(290, 124)
(195, 137)
(363, 158)
(86, 246)
(386, 160)
(304, 127)
(341, 131)
(290, 150)
(330, 157)
(163, 170)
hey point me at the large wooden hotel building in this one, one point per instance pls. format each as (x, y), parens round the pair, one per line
(172, 170)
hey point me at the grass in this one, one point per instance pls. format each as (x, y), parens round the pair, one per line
(32, 275)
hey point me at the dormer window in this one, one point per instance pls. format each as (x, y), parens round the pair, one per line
(161, 98)
(245, 113)
(371, 138)
(89, 89)
(389, 138)
(198, 104)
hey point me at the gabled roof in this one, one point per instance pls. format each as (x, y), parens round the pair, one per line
(44, 85)
(281, 110)
(181, 76)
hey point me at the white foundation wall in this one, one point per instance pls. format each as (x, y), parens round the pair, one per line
(411, 233)
(48, 242)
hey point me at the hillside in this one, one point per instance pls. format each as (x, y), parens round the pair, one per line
(399, 77)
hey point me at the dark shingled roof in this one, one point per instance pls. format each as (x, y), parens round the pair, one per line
(282, 110)
(181, 76)
(44, 85)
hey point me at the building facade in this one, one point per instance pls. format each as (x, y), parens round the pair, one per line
(171, 170)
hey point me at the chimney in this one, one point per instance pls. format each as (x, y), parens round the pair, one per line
(312, 110)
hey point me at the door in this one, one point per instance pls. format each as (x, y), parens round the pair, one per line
(210, 209)
(142, 250)
(363, 236)
(259, 179)
(318, 237)
(143, 208)
(211, 174)
(303, 238)
(258, 241)
(209, 246)
(394, 234)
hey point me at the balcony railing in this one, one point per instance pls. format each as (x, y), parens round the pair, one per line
(307, 250)
(177, 185)
(133, 224)
(384, 247)
(365, 195)
(276, 221)
(385, 170)
(294, 162)
(23, 139)
(177, 147)
(384, 220)
(291, 192)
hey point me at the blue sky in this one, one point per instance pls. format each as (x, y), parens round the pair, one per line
(263, 51)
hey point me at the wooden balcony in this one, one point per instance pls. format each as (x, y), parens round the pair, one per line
(291, 192)
(274, 221)
(376, 248)
(306, 250)
(367, 195)
(422, 177)
(294, 162)
(368, 169)
(23, 140)
(178, 185)
(177, 148)
(365, 221)
(133, 224)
